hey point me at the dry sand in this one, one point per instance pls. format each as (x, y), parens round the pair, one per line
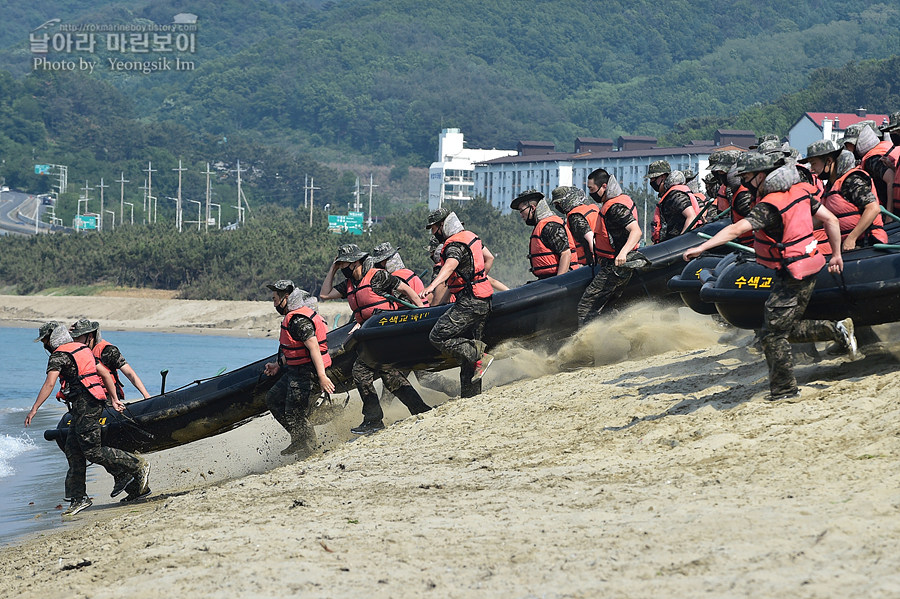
(659, 471)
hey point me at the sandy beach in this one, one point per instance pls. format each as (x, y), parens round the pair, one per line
(642, 460)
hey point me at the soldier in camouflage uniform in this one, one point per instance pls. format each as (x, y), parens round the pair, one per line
(533, 209)
(787, 302)
(458, 331)
(567, 200)
(355, 264)
(861, 140)
(717, 183)
(830, 163)
(83, 441)
(675, 210)
(617, 233)
(290, 400)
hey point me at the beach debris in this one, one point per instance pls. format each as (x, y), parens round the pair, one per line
(81, 564)
(297, 503)
(326, 547)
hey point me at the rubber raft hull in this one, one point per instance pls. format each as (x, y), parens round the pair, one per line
(205, 408)
(868, 291)
(543, 311)
(706, 268)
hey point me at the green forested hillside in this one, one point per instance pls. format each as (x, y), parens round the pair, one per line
(380, 79)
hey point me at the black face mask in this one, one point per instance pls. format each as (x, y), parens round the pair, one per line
(655, 185)
(596, 197)
(282, 307)
(720, 177)
(47, 346)
(751, 188)
(347, 271)
(440, 234)
(531, 219)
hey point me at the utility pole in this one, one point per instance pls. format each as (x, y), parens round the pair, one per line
(132, 211)
(207, 172)
(305, 188)
(178, 199)
(371, 185)
(122, 180)
(86, 189)
(101, 186)
(240, 193)
(151, 201)
(356, 203)
(312, 189)
(145, 188)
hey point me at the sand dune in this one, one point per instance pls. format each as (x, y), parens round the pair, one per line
(639, 461)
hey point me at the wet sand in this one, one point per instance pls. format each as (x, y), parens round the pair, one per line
(657, 470)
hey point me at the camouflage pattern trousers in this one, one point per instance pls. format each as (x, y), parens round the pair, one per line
(395, 381)
(457, 333)
(289, 402)
(607, 285)
(784, 309)
(83, 444)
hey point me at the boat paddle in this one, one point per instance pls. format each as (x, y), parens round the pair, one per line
(397, 300)
(730, 244)
(891, 214)
(163, 374)
(886, 246)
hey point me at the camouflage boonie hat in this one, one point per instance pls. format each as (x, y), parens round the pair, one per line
(763, 139)
(722, 160)
(851, 134)
(436, 216)
(755, 162)
(349, 252)
(689, 175)
(566, 197)
(657, 168)
(47, 329)
(769, 145)
(282, 285)
(893, 122)
(383, 251)
(821, 147)
(529, 195)
(83, 326)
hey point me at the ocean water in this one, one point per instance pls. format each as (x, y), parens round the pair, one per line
(32, 470)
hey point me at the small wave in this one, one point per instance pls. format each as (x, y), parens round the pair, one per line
(10, 447)
(17, 410)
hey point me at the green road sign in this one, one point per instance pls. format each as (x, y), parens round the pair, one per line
(352, 223)
(84, 221)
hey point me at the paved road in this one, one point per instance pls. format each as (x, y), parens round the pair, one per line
(17, 213)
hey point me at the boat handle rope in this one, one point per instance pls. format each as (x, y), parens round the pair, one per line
(730, 244)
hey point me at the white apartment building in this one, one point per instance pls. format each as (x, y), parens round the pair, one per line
(538, 166)
(450, 178)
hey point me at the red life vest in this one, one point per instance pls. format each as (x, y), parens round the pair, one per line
(722, 203)
(591, 215)
(880, 150)
(294, 351)
(796, 250)
(480, 286)
(892, 159)
(98, 349)
(603, 247)
(847, 213)
(544, 262)
(411, 279)
(363, 301)
(87, 370)
(657, 212)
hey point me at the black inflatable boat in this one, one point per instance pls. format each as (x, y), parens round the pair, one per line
(543, 310)
(205, 407)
